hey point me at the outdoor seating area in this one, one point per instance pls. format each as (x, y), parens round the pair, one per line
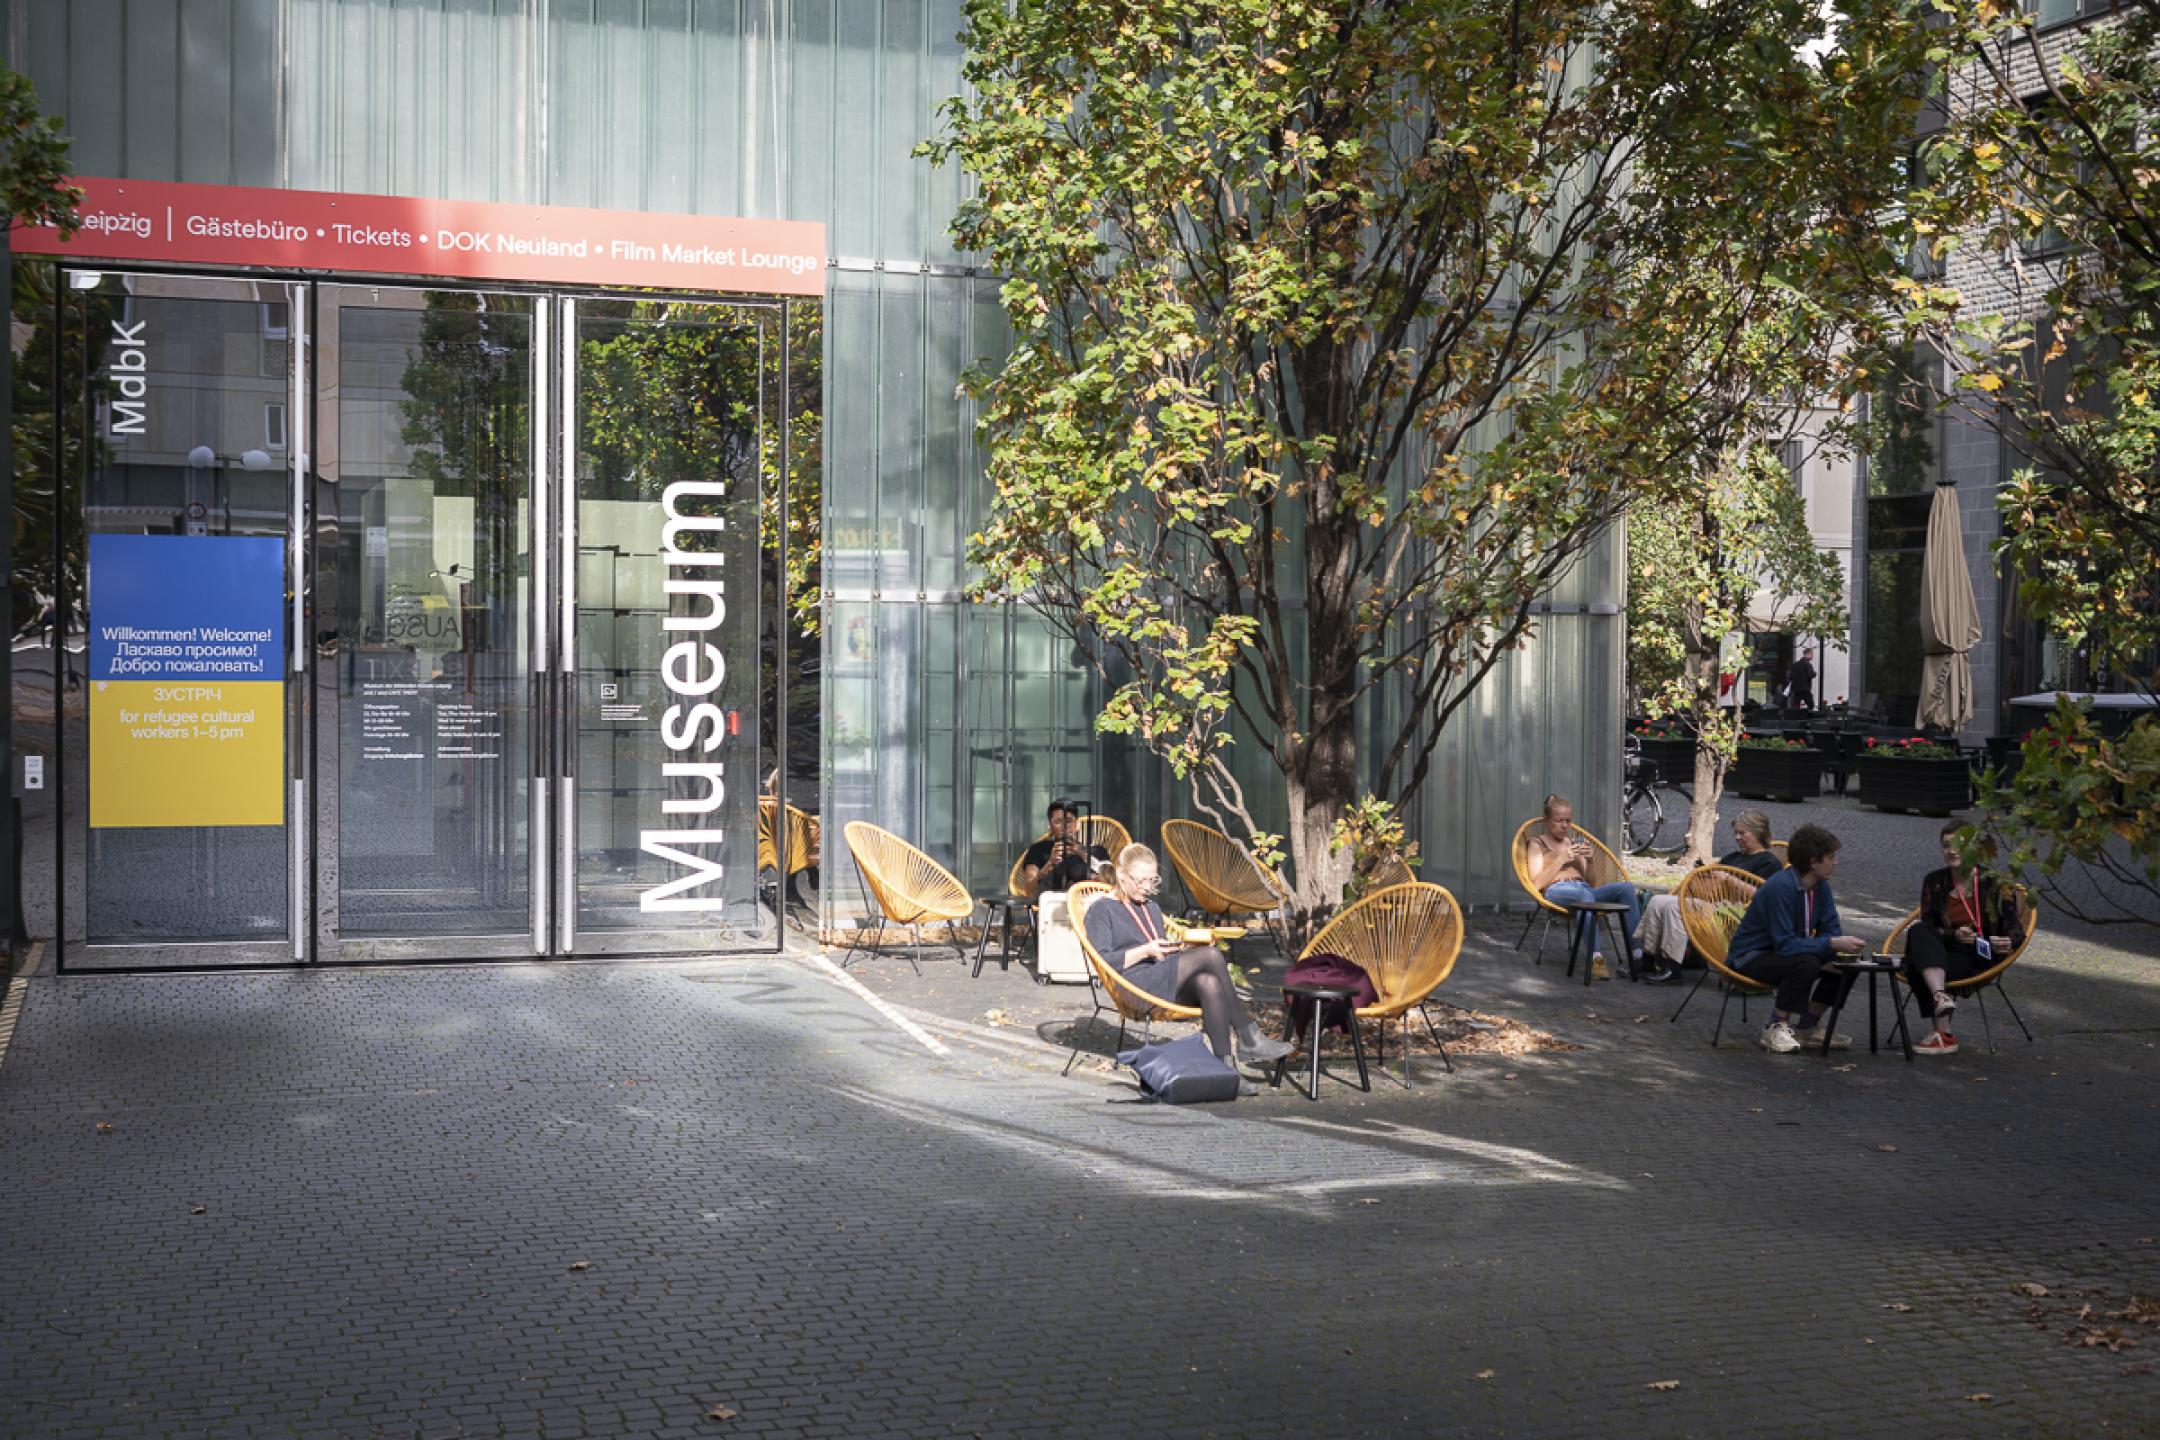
(1368, 969)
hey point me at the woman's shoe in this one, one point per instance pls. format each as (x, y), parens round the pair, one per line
(1263, 1050)
(1937, 1043)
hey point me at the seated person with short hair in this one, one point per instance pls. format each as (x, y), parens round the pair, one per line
(1557, 857)
(1663, 935)
(1962, 913)
(1059, 861)
(1790, 934)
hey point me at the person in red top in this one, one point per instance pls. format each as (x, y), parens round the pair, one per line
(1968, 923)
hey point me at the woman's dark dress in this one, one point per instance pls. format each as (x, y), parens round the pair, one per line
(1112, 930)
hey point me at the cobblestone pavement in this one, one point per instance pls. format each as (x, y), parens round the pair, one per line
(617, 1199)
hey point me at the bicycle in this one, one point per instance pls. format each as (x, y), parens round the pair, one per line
(1642, 810)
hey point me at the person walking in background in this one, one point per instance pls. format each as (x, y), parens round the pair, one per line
(1800, 682)
(1558, 858)
(1788, 936)
(1968, 922)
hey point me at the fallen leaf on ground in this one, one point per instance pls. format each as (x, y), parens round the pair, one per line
(2029, 1288)
(104, 1127)
(1887, 1149)
(1981, 1397)
(1754, 1109)
(1841, 1069)
(1662, 1385)
(1368, 1200)
(1642, 1019)
(1509, 1076)
(997, 1017)
(720, 1412)
(200, 1210)
(1483, 1375)
(1898, 1305)
(2140, 1311)
(2139, 1369)
(581, 1265)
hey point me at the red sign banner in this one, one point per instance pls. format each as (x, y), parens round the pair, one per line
(178, 224)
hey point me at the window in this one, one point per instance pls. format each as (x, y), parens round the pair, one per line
(274, 425)
(1794, 454)
(1903, 425)
(2062, 12)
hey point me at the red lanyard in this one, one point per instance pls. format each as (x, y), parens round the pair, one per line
(1977, 924)
(1147, 926)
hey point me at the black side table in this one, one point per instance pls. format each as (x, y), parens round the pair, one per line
(1005, 904)
(1320, 995)
(1601, 913)
(1852, 967)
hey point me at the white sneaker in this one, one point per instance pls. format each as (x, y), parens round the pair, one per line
(1778, 1039)
(1812, 1035)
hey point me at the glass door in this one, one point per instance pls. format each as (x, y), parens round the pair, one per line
(431, 491)
(673, 438)
(175, 621)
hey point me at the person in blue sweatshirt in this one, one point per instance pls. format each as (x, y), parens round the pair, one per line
(1790, 934)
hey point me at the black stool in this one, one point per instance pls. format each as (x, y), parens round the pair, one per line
(1601, 912)
(1320, 995)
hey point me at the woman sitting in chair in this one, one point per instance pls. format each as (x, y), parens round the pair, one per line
(1663, 936)
(1967, 923)
(1128, 930)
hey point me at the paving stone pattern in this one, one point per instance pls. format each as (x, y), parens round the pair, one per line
(787, 1208)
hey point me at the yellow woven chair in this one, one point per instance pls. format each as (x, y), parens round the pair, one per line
(1603, 868)
(1110, 989)
(1405, 938)
(1779, 846)
(1394, 870)
(802, 843)
(802, 837)
(1220, 876)
(906, 886)
(1713, 900)
(1974, 985)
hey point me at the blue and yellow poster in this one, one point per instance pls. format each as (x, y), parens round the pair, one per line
(187, 680)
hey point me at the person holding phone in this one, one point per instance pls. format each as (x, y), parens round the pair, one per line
(1967, 923)
(1059, 860)
(1128, 929)
(1559, 862)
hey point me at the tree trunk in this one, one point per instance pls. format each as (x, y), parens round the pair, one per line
(1712, 745)
(1702, 837)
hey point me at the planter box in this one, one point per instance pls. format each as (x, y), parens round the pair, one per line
(1674, 757)
(1932, 787)
(1777, 774)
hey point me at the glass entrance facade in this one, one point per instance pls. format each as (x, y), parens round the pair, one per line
(520, 555)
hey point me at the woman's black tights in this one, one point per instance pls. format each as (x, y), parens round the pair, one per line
(1203, 979)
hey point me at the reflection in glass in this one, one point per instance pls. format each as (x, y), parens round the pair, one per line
(189, 451)
(435, 441)
(673, 437)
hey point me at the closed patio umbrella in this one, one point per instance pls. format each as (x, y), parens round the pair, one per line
(1949, 619)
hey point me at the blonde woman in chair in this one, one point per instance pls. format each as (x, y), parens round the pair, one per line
(1968, 922)
(1557, 858)
(1128, 930)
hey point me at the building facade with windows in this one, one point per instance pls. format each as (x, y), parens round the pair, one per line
(548, 407)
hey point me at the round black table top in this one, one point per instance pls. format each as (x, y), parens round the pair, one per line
(1321, 992)
(1596, 907)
